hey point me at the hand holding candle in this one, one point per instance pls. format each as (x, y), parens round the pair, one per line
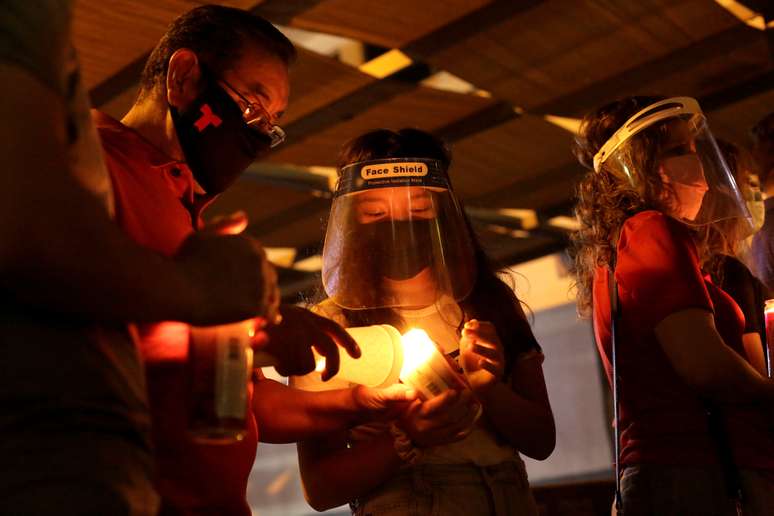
(443, 419)
(481, 355)
(384, 404)
(425, 368)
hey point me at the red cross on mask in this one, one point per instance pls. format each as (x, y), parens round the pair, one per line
(208, 118)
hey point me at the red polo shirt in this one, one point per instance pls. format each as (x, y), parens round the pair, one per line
(155, 206)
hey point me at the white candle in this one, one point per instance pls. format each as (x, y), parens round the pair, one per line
(425, 368)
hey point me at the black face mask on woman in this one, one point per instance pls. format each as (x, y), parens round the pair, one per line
(217, 143)
(401, 249)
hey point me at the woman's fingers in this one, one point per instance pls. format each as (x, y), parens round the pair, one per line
(486, 351)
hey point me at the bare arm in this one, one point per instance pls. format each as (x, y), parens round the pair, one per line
(287, 415)
(59, 251)
(753, 348)
(700, 357)
(521, 412)
(333, 474)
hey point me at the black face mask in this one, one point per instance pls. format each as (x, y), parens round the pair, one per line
(401, 248)
(217, 143)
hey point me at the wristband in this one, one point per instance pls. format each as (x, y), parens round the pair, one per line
(404, 446)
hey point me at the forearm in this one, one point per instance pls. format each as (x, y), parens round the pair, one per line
(287, 415)
(527, 425)
(701, 358)
(753, 348)
(345, 474)
(737, 381)
(92, 271)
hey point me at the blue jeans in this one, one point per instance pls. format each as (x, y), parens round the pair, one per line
(452, 490)
(656, 490)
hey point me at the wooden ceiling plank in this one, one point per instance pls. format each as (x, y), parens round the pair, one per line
(466, 27)
(739, 92)
(486, 118)
(283, 12)
(565, 45)
(392, 24)
(134, 28)
(288, 216)
(379, 91)
(127, 78)
(597, 93)
(420, 107)
(345, 108)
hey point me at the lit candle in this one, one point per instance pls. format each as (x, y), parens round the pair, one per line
(425, 368)
(769, 344)
(387, 357)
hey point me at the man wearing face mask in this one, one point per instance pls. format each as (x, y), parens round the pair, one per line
(211, 92)
(763, 242)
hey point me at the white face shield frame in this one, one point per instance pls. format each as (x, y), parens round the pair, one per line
(671, 138)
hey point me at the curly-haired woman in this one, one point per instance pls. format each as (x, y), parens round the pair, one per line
(695, 420)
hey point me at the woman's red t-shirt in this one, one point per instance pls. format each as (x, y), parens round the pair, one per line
(663, 420)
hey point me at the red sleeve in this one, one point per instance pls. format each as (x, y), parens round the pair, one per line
(658, 269)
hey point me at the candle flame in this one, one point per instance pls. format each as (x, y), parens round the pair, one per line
(320, 367)
(418, 349)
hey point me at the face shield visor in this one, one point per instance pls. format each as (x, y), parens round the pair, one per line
(396, 237)
(670, 141)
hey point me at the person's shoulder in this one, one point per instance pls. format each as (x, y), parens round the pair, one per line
(734, 267)
(653, 226)
(123, 150)
(111, 131)
(649, 220)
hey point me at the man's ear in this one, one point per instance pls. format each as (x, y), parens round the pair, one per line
(183, 75)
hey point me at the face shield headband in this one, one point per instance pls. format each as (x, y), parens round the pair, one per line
(391, 173)
(671, 141)
(657, 112)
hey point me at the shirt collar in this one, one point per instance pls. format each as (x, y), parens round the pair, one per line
(139, 150)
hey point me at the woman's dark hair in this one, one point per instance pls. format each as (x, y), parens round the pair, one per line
(604, 199)
(491, 298)
(217, 34)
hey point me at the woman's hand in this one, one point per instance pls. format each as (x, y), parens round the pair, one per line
(444, 419)
(481, 355)
(383, 404)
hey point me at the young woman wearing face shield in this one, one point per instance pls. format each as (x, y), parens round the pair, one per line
(399, 250)
(728, 243)
(695, 421)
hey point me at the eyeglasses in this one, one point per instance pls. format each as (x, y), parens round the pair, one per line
(258, 118)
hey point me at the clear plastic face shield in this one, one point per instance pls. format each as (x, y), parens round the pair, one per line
(396, 237)
(671, 139)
